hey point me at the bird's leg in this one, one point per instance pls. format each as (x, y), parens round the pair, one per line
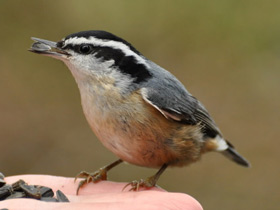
(96, 176)
(148, 182)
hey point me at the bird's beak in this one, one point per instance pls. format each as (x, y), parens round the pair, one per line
(48, 48)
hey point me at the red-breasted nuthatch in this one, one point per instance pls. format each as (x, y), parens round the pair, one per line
(137, 109)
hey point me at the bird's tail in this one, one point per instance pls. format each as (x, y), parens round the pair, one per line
(233, 155)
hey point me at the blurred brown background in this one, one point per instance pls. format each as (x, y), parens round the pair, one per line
(225, 52)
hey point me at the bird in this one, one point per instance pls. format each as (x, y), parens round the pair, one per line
(137, 109)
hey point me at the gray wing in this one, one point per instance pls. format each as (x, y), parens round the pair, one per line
(170, 97)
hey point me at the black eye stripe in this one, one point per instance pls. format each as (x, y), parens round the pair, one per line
(83, 49)
(126, 64)
(77, 48)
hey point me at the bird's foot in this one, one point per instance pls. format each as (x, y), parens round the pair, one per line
(94, 177)
(146, 183)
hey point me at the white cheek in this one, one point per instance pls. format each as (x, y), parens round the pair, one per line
(86, 66)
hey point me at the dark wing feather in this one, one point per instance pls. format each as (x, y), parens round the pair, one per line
(171, 98)
(209, 126)
(186, 110)
(175, 108)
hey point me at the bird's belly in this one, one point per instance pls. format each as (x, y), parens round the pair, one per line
(134, 141)
(135, 148)
(138, 133)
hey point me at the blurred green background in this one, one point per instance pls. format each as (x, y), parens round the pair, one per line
(225, 52)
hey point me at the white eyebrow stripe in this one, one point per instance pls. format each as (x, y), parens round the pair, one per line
(105, 43)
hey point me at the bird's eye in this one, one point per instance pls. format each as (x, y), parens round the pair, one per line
(85, 49)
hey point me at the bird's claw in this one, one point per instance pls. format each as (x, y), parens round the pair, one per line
(94, 177)
(136, 184)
